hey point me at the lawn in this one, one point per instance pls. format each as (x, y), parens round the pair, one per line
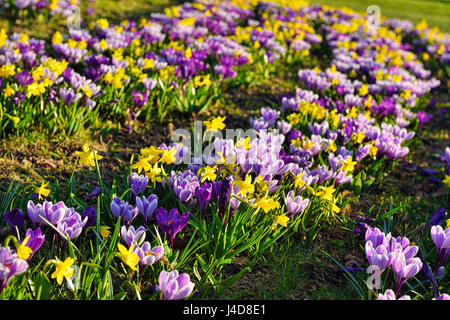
(435, 12)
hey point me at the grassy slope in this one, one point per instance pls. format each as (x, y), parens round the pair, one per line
(436, 13)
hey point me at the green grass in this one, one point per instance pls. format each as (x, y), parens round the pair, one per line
(435, 12)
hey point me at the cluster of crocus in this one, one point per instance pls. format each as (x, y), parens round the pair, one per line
(384, 251)
(189, 46)
(441, 239)
(66, 220)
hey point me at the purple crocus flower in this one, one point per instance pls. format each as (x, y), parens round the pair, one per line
(15, 219)
(175, 286)
(147, 206)
(131, 235)
(10, 265)
(91, 214)
(121, 208)
(439, 216)
(377, 256)
(203, 194)
(138, 183)
(148, 255)
(295, 205)
(171, 223)
(94, 192)
(222, 193)
(443, 296)
(53, 213)
(184, 185)
(404, 268)
(441, 239)
(72, 224)
(35, 240)
(423, 118)
(24, 78)
(139, 98)
(390, 295)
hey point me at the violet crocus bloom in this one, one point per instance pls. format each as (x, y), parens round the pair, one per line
(390, 295)
(295, 205)
(171, 223)
(175, 286)
(441, 239)
(72, 224)
(94, 192)
(439, 216)
(443, 296)
(148, 255)
(10, 265)
(35, 240)
(139, 98)
(404, 268)
(133, 236)
(137, 182)
(377, 256)
(53, 213)
(147, 206)
(121, 208)
(423, 118)
(15, 219)
(203, 194)
(184, 185)
(91, 214)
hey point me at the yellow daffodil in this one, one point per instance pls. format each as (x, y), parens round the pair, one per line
(87, 156)
(326, 193)
(266, 203)
(446, 181)
(208, 173)
(261, 185)
(42, 191)
(243, 143)
(3, 37)
(155, 173)
(348, 165)
(104, 231)
(188, 53)
(168, 156)
(294, 118)
(215, 123)
(24, 252)
(358, 137)
(63, 270)
(8, 91)
(281, 220)
(331, 147)
(363, 90)
(373, 150)
(142, 164)
(245, 186)
(298, 181)
(128, 256)
(333, 207)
